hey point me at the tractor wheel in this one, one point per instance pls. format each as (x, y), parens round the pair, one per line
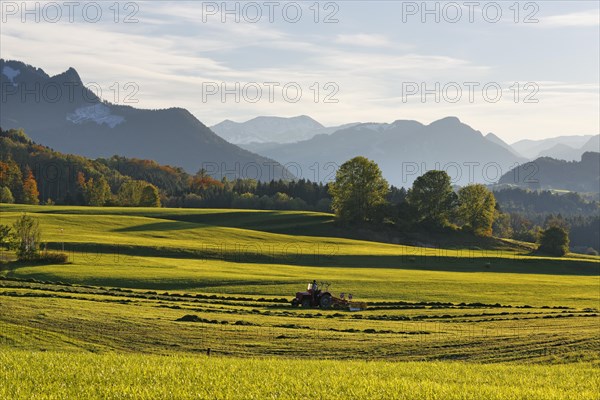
(306, 302)
(295, 303)
(326, 301)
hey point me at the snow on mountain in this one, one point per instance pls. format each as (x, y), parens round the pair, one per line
(98, 113)
(11, 74)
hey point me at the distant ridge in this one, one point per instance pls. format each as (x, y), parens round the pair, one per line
(404, 149)
(265, 129)
(533, 149)
(549, 173)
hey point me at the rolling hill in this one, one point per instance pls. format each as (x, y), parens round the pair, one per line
(550, 173)
(150, 292)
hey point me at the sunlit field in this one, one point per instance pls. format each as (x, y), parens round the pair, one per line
(147, 292)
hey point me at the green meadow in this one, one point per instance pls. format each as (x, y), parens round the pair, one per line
(84, 375)
(443, 322)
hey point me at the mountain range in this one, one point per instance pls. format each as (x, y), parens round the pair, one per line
(266, 130)
(79, 122)
(60, 112)
(403, 149)
(265, 133)
(565, 152)
(568, 148)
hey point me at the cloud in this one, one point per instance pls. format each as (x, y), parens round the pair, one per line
(363, 39)
(577, 19)
(170, 53)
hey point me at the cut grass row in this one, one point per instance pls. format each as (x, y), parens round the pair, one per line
(59, 317)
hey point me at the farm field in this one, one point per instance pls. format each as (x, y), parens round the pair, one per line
(153, 289)
(85, 375)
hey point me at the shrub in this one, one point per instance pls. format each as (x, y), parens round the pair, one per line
(53, 257)
(554, 241)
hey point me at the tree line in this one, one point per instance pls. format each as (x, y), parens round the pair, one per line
(361, 195)
(32, 174)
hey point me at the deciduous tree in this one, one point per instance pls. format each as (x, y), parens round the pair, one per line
(359, 190)
(30, 190)
(476, 206)
(432, 198)
(27, 237)
(554, 241)
(150, 196)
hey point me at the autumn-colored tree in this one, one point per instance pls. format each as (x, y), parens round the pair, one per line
(12, 178)
(30, 190)
(202, 181)
(3, 173)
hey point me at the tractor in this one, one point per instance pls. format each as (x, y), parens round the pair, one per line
(314, 297)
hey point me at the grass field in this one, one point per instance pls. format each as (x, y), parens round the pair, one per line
(82, 375)
(442, 322)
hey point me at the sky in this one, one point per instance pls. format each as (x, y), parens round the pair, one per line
(517, 69)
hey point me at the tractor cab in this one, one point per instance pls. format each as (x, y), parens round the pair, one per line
(313, 297)
(320, 296)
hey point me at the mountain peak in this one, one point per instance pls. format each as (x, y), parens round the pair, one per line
(70, 75)
(82, 124)
(266, 129)
(447, 121)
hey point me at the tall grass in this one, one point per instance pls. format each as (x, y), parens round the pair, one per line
(30, 375)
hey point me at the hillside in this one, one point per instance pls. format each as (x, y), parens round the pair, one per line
(549, 173)
(177, 242)
(74, 120)
(57, 173)
(176, 282)
(403, 149)
(495, 139)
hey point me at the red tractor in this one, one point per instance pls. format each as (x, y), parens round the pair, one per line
(314, 297)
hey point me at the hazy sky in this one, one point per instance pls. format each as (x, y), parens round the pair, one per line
(374, 58)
